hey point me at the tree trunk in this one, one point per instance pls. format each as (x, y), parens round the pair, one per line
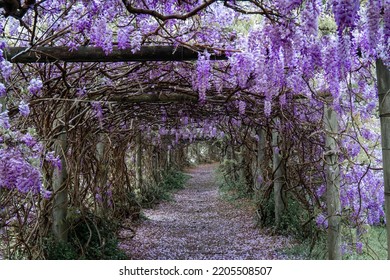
(279, 177)
(383, 76)
(332, 184)
(60, 176)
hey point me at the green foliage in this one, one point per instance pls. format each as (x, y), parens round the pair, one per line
(171, 180)
(374, 244)
(58, 250)
(295, 220)
(231, 185)
(90, 237)
(312, 249)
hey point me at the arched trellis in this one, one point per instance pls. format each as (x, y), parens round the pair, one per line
(167, 98)
(169, 53)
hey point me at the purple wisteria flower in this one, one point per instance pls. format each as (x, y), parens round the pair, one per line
(24, 109)
(6, 69)
(3, 90)
(4, 119)
(35, 87)
(97, 108)
(359, 247)
(46, 194)
(80, 92)
(202, 82)
(322, 221)
(29, 140)
(54, 160)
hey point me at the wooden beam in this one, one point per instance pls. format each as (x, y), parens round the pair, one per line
(96, 54)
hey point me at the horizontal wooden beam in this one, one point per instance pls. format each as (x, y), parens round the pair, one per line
(96, 54)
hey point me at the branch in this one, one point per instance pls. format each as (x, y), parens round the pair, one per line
(139, 11)
(14, 9)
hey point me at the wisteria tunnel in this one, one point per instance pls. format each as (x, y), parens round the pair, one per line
(194, 129)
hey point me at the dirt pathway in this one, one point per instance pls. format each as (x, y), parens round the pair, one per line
(198, 224)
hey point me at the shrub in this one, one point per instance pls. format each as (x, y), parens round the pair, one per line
(90, 237)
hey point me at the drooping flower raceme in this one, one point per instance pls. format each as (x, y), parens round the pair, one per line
(202, 81)
(345, 13)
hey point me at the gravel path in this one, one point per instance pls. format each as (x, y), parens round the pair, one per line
(198, 224)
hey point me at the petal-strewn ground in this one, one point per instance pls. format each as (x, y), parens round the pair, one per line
(199, 224)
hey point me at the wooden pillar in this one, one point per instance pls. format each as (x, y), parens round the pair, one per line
(169, 158)
(102, 172)
(332, 182)
(242, 165)
(234, 163)
(60, 188)
(383, 76)
(155, 165)
(261, 146)
(279, 176)
(138, 160)
(2, 109)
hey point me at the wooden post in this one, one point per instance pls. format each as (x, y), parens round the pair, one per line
(279, 176)
(383, 76)
(102, 172)
(169, 158)
(332, 183)
(261, 146)
(2, 109)
(138, 160)
(155, 165)
(241, 165)
(234, 162)
(60, 176)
